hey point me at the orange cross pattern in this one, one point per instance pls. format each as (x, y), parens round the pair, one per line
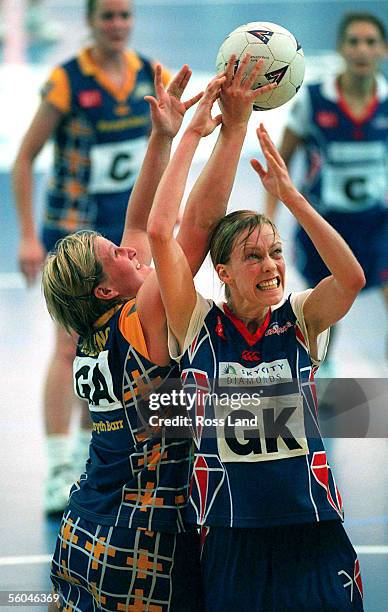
(153, 459)
(147, 499)
(65, 574)
(69, 607)
(67, 535)
(99, 598)
(99, 549)
(139, 605)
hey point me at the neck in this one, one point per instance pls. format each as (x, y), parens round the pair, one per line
(105, 59)
(352, 85)
(251, 316)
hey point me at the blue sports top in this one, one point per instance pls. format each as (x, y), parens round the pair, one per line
(260, 459)
(132, 479)
(346, 155)
(99, 143)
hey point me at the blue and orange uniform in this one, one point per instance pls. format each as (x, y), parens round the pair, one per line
(99, 145)
(122, 542)
(262, 489)
(346, 175)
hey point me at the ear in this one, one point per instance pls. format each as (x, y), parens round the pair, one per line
(223, 274)
(105, 293)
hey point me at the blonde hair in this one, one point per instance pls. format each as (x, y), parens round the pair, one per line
(227, 231)
(70, 275)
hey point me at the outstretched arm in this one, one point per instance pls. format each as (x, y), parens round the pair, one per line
(174, 274)
(167, 112)
(209, 197)
(331, 299)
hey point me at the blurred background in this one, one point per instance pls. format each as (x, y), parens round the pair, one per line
(36, 36)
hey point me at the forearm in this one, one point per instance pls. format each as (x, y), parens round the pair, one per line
(170, 192)
(143, 193)
(210, 195)
(22, 180)
(332, 248)
(270, 206)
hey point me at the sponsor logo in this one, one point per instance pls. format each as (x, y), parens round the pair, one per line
(219, 328)
(250, 356)
(90, 98)
(233, 374)
(276, 76)
(278, 329)
(326, 119)
(263, 35)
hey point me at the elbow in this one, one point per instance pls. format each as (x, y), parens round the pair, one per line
(157, 231)
(357, 281)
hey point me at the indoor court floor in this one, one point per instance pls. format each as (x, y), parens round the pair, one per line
(176, 32)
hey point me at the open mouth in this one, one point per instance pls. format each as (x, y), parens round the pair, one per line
(267, 285)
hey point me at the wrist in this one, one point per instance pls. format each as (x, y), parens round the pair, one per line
(294, 199)
(234, 130)
(193, 133)
(161, 137)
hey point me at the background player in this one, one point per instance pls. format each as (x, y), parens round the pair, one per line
(93, 108)
(341, 123)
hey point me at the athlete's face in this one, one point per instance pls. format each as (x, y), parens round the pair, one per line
(111, 24)
(255, 272)
(124, 274)
(362, 48)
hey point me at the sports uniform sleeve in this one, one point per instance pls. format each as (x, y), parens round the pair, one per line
(130, 327)
(200, 311)
(297, 301)
(56, 90)
(300, 112)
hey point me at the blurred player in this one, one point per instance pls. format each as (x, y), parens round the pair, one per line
(342, 124)
(94, 109)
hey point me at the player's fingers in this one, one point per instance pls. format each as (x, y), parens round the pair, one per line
(152, 102)
(179, 82)
(213, 88)
(265, 138)
(229, 70)
(186, 78)
(256, 165)
(158, 80)
(217, 120)
(189, 103)
(260, 91)
(250, 79)
(242, 69)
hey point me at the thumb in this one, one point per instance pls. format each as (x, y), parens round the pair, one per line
(151, 101)
(217, 120)
(189, 103)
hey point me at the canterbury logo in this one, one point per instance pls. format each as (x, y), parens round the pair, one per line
(219, 328)
(250, 356)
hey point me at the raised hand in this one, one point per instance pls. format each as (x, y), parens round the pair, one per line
(202, 122)
(31, 257)
(167, 109)
(237, 96)
(275, 179)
